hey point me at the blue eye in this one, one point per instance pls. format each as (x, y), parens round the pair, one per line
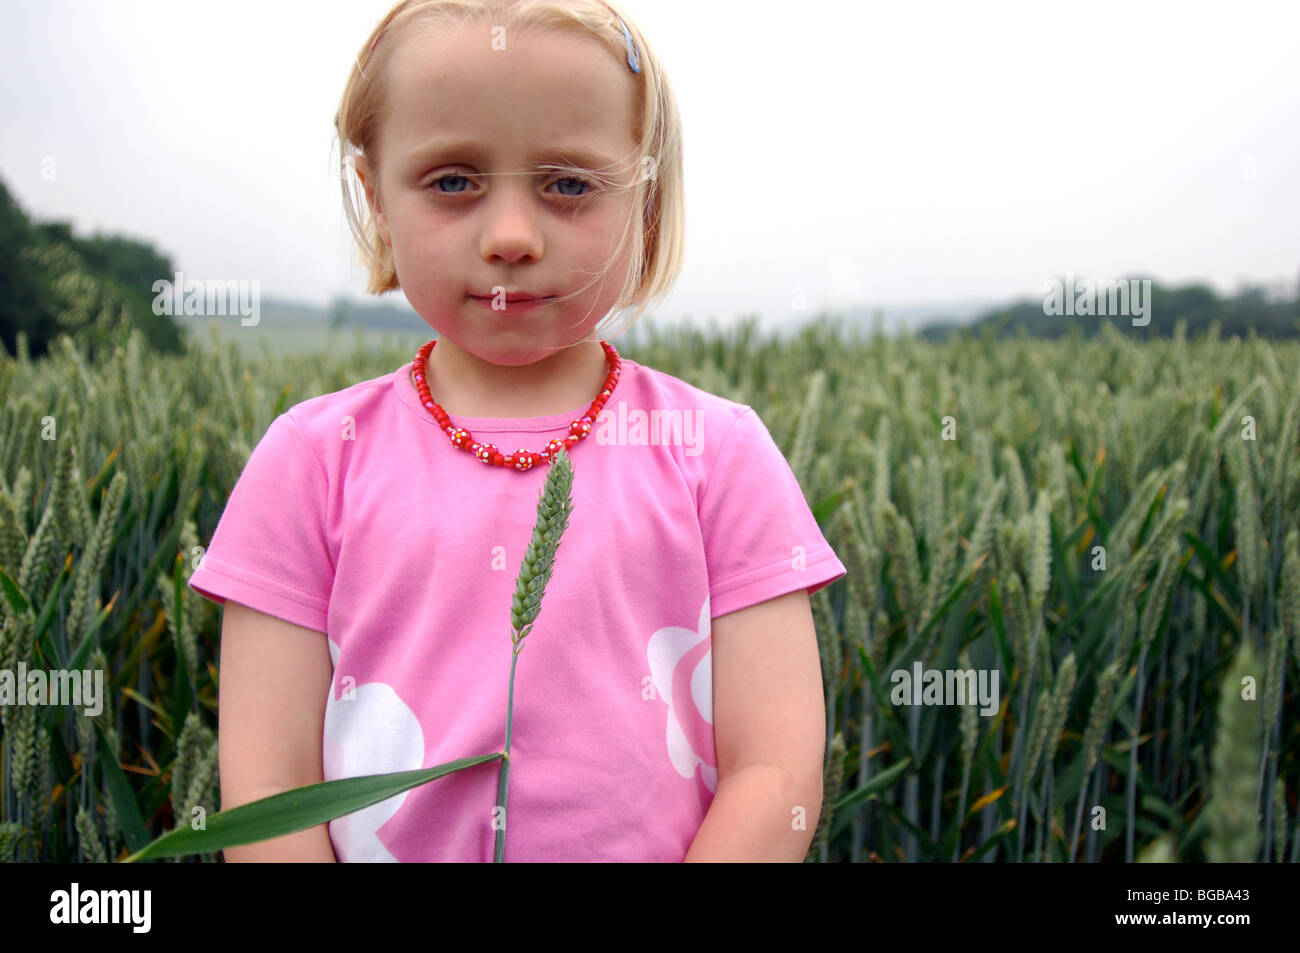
(446, 178)
(585, 186)
(581, 182)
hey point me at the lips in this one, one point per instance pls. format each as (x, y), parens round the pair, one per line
(515, 297)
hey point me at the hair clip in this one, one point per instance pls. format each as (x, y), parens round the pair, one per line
(633, 60)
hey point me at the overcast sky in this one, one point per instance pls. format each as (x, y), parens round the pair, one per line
(873, 153)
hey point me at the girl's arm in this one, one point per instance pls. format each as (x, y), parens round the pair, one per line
(274, 681)
(769, 728)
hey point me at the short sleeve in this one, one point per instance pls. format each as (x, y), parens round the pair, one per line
(270, 549)
(760, 538)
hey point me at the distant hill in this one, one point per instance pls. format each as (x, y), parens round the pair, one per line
(283, 314)
(94, 288)
(1269, 311)
(916, 315)
(394, 314)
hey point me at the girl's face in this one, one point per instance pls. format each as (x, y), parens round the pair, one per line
(457, 107)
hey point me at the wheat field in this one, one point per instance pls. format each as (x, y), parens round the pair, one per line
(1111, 527)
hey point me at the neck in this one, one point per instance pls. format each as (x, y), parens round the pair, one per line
(467, 386)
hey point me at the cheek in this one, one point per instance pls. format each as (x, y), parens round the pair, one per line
(421, 248)
(598, 246)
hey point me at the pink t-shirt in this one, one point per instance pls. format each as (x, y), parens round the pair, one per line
(356, 517)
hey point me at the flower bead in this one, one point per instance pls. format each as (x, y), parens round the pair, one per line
(460, 437)
(554, 447)
(485, 452)
(580, 428)
(523, 459)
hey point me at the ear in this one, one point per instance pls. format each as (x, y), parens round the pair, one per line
(368, 182)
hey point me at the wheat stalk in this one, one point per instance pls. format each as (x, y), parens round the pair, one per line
(1099, 718)
(806, 432)
(13, 540)
(1015, 610)
(1015, 476)
(932, 503)
(41, 560)
(12, 835)
(881, 479)
(905, 568)
(1246, 522)
(1062, 691)
(20, 740)
(1285, 448)
(92, 848)
(942, 560)
(1289, 602)
(1039, 554)
(832, 780)
(862, 560)
(1231, 813)
(1157, 598)
(554, 505)
(90, 567)
(1037, 738)
(1279, 812)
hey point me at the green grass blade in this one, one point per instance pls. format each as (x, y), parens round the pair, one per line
(13, 595)
(1007, 827)
(999, 627)
(897, 815)
(53, 714)
(296, 810)
(43, 633)
(1213, 566)
(119, 790)
(889, 722)
(182, 691)
(874, 787)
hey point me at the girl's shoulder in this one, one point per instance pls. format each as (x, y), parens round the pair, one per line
(716, 427)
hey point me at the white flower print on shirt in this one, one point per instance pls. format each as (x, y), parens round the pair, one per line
(681, 666)
(371, 733)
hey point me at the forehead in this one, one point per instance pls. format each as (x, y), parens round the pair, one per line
(455, 82)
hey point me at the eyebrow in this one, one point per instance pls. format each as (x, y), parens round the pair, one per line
(472, 150)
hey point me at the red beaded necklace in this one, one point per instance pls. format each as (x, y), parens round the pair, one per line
(520, 459)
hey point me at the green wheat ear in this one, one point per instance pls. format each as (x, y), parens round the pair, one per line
(969, 726)
(832, 781)
(1159, 851)
(1280, 820)
(11, 835)
(1231, 814)
(553, 509)
(92, 848)
(1099, 717)
(1290, 585)
(1060, 706)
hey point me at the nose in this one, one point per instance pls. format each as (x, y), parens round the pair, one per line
(511, 231)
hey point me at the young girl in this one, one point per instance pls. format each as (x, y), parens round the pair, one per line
(522, 177)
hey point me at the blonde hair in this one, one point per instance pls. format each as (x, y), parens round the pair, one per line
(657, 236)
